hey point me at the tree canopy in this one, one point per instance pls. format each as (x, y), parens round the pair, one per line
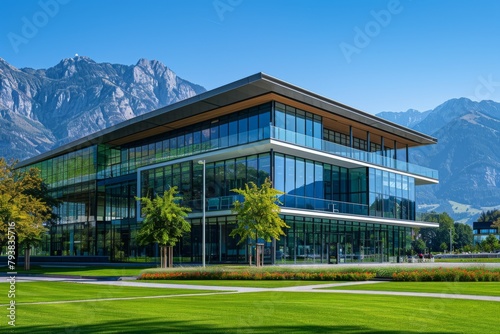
(435, 237)
(490, 244)
(464, 236)
(164, 222)
(258, 215)
(489, 216)
(24, 204)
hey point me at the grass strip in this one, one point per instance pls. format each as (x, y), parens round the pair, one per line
(264, 312)
(27, 292)
(462, 288)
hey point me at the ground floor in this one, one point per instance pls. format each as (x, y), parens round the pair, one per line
(307, 240)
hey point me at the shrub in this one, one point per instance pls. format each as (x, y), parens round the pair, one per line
(257, 275)
(447, 275)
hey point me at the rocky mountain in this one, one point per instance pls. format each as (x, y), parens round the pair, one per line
(43, 109)
(409, 118)
(467, 156)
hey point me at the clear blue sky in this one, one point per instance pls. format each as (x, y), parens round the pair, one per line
(372, 55)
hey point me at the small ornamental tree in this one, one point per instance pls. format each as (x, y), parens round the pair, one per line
(163, 223)
(258, 215)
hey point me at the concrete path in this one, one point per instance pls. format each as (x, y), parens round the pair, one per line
(315, 288)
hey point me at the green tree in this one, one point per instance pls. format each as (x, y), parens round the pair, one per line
(24, 208)
(496, 224)
(443, 246)
(489, 216)
(258, 215)
(463, 236)
(418, 246)
(490, 244)
(164, 223)
(434, 237)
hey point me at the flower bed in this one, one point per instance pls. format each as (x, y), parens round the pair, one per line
(249, 275)
(447, 275)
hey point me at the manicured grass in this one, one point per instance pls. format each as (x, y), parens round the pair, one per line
(28, 292)
(265, 312)
(472, 260)
(83, 270)
(466, 288)
(242, 283)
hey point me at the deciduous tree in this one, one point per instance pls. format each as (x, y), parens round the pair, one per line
(163, 223)
(436, 236)
(24, 207)
(463, 236)
(258, 215)
(490, 244)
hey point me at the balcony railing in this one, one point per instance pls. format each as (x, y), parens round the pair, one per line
(289, 201)
(349, 152)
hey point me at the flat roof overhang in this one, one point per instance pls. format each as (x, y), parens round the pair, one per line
(328, 215)
(246, 92)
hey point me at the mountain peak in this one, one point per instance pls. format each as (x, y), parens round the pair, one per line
(456, 103)
(77, 97)
(69, 67)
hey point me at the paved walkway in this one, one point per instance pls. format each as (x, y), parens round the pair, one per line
(316, 288)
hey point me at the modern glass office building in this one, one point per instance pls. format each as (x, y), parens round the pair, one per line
(349, 185)
(482, 230)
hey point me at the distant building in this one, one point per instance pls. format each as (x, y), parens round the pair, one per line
(349, 185)
(482, 230)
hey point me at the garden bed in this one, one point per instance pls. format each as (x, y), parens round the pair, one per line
(447, 275)
(257, 275)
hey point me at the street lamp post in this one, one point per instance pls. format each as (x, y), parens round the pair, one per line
(202, 162)
(451, 249)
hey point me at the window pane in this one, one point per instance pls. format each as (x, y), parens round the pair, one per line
(279, 170)
(299, 178)
(264, 122)
(243, 131)
(223, 133)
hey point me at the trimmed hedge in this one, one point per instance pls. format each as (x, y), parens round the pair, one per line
(252, 275)
(447, 275)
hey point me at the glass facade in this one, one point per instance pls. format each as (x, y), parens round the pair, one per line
(239, 128)
(98, 184)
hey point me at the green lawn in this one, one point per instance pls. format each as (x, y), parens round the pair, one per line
(28, 292)
(83, 270)
(472, 260)
(265, 312)
(242, 283)
(466, 288)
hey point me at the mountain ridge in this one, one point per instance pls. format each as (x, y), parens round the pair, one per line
(466, 156)
(42, 109)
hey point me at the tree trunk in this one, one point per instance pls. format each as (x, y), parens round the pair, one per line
(170, 256)
(257, 251)
(257, 255)
(250, 254)
(163, 256)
